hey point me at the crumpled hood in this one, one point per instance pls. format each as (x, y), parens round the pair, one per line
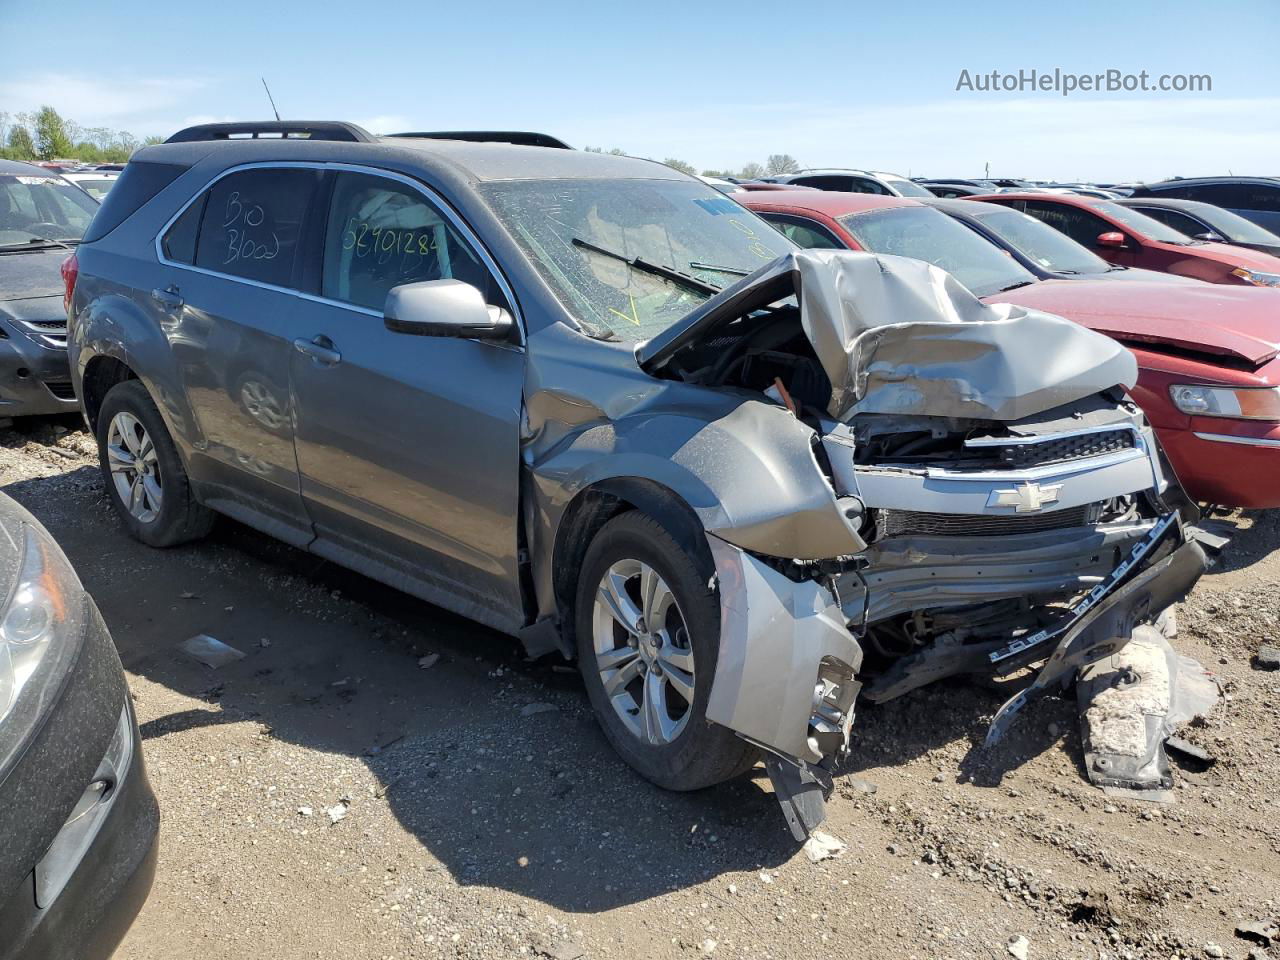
(34, 273)
(900, 336)
(1242, 322)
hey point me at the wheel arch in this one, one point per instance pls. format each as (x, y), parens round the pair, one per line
(593, 507)
(101, 373)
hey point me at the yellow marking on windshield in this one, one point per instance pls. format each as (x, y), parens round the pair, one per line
(635, 315)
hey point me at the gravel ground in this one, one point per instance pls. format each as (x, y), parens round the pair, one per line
(380, 779)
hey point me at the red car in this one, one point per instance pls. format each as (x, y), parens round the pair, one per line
(1208, 355)
(1130, 238)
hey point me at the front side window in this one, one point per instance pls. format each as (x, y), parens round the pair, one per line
(253, 223)
(804, 233)
(1172, 218)
(1143, 225)
(37, 207)
(1079, 225)
(617, 252)
(1041, 243)
(866, 185)
(923, 233)
(382, 233)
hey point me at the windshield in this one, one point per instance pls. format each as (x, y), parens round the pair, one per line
(927, 234)
(1038, 241)
(1147, 226)
(907, 188)
(42, 207)
(628, 258)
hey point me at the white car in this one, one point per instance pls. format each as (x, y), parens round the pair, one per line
(95, 183)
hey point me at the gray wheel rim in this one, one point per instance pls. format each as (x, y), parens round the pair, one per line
(643, 653)
(135, 468)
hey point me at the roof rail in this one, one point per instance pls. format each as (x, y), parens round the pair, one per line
(274, 130)
(522, 138)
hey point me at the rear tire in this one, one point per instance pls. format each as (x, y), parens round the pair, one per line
(638, 675)
(144, 476)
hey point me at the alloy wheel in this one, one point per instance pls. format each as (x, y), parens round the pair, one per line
(135, 468)
(643, 652)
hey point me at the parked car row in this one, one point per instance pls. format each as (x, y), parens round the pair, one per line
(1209, 377)
(744, 455)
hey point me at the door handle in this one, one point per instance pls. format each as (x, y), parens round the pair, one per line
(169, 297)
(319, 348)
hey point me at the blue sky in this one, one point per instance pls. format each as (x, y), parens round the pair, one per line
(846, 84)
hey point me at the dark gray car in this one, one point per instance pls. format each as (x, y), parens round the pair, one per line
(78, 820)
(42, 217)
(596, 404)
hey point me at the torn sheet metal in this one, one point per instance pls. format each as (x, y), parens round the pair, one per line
(900, 336)
(1109, 625)
(1133, 701)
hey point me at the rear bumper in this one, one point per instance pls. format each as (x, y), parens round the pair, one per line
(1231, 463)
(34, 379)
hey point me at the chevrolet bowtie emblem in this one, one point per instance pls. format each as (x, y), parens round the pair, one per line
(1025, 498)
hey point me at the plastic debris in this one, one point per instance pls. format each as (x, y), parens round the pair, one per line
(822, 846)
(210, 651)
(532, 709)
(339, 810)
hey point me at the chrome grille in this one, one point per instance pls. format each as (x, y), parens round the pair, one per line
(914, 523)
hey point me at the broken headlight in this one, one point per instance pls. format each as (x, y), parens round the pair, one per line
(1241, 403)
(41, 630)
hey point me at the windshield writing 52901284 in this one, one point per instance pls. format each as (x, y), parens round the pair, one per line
(246, 239)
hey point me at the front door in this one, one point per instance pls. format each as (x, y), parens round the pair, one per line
(408, 447)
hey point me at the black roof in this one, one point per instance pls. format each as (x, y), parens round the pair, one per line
(18, 167)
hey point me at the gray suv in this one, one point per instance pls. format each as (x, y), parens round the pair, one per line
(596, 404)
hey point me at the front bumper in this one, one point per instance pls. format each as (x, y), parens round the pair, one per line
(61, 899)
(1231, 463)
(35, 378)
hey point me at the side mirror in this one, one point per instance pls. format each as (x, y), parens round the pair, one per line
(1210, 237)
(1112, 238)
(444, 308)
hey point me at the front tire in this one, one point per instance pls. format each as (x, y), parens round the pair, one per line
(145, 479)
(648, 632)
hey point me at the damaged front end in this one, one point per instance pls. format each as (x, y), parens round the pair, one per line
(993, 501)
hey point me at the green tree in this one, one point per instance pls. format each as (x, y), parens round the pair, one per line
(51, 135)
(686, 168)
(752, 171)
(20, 145)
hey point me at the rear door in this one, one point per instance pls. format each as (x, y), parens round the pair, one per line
(408, 446)
(226, 298)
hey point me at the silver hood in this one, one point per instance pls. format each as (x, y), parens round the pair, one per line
(901, 336)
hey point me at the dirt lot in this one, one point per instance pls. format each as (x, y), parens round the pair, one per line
(328, 797)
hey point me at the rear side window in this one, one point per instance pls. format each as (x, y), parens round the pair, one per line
(1173, 218)
(253, 223)
(140, 181)
(824, 182)
(804, 233)
(383, 233)
(180, 240)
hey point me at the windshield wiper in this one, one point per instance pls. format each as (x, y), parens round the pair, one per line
(1015, 286)
(39, 241)
(654, 269)
(736, 271)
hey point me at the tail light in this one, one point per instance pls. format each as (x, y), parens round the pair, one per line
(70, 270)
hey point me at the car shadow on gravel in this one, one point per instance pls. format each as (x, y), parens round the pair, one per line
(1251, 541)
(495, 764)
